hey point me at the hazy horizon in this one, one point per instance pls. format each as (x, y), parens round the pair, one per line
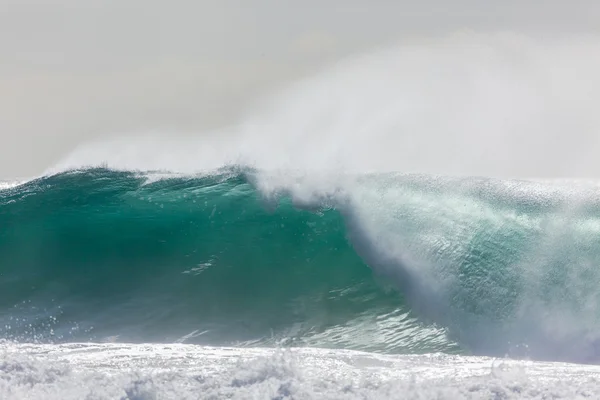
(75, 72)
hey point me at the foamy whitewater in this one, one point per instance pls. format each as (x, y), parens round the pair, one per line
(374, 232)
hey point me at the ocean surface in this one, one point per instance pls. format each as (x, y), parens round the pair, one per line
(367, 233)
(240, 283)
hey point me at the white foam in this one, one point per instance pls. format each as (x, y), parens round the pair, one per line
(9, 184)
(176, 371)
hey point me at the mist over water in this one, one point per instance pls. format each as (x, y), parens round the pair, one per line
(502, 105)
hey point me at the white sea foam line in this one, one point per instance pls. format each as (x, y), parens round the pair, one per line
(179, 371)
(153, 356)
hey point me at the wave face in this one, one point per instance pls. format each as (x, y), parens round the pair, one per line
(379, 262)
(101, 254)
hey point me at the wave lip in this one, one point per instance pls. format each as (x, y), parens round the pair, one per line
(9, 184)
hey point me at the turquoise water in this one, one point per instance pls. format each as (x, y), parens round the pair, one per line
(385, 263)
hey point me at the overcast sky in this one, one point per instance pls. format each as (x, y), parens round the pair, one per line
(75, 70)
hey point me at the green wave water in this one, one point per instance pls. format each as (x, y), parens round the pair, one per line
(102, 254)
(388, 263)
